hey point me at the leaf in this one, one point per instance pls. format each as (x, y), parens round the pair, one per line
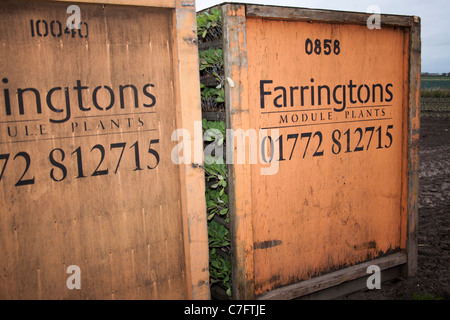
(210, 203)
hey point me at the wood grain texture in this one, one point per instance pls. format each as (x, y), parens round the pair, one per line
(330, 211)
(126, 226)
(333, 279)
(237, 111)
(317, 15)
(333, 210)
(146, 3)
(413, 147)
(192, 174)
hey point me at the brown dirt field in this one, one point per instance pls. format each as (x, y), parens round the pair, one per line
(433, 276)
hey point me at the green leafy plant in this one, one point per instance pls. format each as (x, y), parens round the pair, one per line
(216, 203)
(209, 24)
(218, 239)
(216, 172)
(217, 207)
(211, 65)
(219, 125)
(220, 96)
(216, 129)
(209, 28)
(220, 267)
(211, 60)
(220, 270)
(211, 96)
(219, 236)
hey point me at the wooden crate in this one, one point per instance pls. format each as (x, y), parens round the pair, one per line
(338, 107)
(86, 175)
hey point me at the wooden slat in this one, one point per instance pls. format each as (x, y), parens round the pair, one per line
(192, 174)
(146, 3)
(210, 44)
(237, 111)
(405, 143)
(413, 147)
(214, 116)
(333, 279)
(352, 286)
(323, 15)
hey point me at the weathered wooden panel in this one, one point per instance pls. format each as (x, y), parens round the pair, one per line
(87, 178)
(341, 185)
(333, 100)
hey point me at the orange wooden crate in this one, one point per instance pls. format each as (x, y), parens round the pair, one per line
(86, 172)
(345, 102)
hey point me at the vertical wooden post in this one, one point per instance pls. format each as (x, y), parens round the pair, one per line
(237, 110)
(193, 194)
(413, 149)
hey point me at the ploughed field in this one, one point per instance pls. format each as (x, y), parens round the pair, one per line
(432, 280)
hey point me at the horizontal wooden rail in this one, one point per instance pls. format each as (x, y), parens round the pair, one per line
(333, 279)
(143, 3)
(324, 15)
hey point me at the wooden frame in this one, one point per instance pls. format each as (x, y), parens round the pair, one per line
(187, 97)
(192, 175)
(234, 18)
(237, 113)
(144, 3)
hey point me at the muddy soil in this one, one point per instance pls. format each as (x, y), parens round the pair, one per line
(433, 276)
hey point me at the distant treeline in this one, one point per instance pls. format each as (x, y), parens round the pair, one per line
(428, 74)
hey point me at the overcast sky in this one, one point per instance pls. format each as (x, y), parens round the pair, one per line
(433, 13)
